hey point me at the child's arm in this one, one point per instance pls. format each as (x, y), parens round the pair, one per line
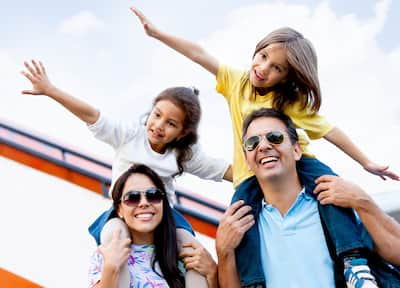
(189, 49)
(384, 230)
(343, 142)
(228, 176)
(42, 86)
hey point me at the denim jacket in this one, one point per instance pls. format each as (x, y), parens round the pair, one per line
(248, 258)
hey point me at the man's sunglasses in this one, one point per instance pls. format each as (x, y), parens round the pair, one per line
(153, 196)
(273, 137)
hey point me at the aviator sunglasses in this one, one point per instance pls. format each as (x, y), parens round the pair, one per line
(273, 137)
(153, 196)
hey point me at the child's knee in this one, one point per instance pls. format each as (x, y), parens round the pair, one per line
(184, 236)
(109, 228)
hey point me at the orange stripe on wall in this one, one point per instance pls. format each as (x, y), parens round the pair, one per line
(11, 280)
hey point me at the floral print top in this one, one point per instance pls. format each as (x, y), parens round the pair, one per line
(140, 268)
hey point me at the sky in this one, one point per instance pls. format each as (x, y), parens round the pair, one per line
(97, 51)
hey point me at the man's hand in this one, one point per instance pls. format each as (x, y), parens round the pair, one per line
(337, 191)
(233, 225)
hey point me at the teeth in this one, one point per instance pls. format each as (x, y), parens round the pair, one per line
(144, 216)
(268, 159)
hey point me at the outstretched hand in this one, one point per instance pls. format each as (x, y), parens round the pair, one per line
(149, 28)
(38, 77)
(381, 171)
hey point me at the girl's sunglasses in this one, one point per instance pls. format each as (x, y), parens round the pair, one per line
(273, 137)
(153, 196)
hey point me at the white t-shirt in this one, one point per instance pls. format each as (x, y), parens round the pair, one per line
(132, 146)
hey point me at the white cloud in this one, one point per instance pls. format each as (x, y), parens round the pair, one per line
(81, 23)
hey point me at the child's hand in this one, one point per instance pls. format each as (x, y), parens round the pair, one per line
(149, 28)
(38, 77)
(381, 171)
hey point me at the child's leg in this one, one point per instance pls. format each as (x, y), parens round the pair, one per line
(105, 238)
(192, 277)
(248, 251)
(98, 224)
(342, 227)
(184, 234)
(340, 222)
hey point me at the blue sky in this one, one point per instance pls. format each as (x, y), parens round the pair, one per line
(97, 51)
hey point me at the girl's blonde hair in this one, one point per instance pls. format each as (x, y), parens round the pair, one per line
(302, 84)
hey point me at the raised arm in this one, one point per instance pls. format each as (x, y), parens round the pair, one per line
(191, 50)
(41, 85)
(384, 230)
(343, 142)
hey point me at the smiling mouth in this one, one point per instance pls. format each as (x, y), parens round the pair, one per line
(258, 77)
(268, 159)
(144, 216)
(155, 134)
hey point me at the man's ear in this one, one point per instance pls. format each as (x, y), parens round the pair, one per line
(297, 151)
(247, 163)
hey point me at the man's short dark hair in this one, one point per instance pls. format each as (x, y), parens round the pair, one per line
(271, 113)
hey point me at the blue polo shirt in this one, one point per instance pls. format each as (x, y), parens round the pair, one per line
(293, 247)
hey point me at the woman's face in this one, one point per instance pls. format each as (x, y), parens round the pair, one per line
(141, 217)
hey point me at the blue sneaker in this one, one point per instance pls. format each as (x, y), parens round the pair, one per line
(358, 274)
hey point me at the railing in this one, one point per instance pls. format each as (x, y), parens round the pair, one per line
(93, 174)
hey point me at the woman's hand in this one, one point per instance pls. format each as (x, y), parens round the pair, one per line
(198, 258)
(117, 252)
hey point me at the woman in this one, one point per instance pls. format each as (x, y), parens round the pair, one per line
(140, 200)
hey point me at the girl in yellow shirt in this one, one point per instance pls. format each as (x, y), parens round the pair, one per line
(283, 75)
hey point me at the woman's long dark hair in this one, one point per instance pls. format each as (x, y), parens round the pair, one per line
(165, 242)
(186, 99)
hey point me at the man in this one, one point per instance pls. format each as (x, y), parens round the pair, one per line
(293, 248)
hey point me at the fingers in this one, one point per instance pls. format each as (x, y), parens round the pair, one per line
(391, 175)
(29, 67)
(36, 67)
(322, 186)
(325, 178)
(138, 14)
(29, 76)
(237, 210)
(191, 244)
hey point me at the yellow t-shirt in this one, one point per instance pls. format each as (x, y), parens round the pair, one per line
(241, 104)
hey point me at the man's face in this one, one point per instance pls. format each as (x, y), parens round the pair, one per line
(271, 161)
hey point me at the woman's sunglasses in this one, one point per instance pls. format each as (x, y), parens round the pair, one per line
(153, 196)
(273, 137)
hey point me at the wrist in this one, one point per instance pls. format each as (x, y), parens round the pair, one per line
(212, 278)
(363, 204)
(50, 90)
